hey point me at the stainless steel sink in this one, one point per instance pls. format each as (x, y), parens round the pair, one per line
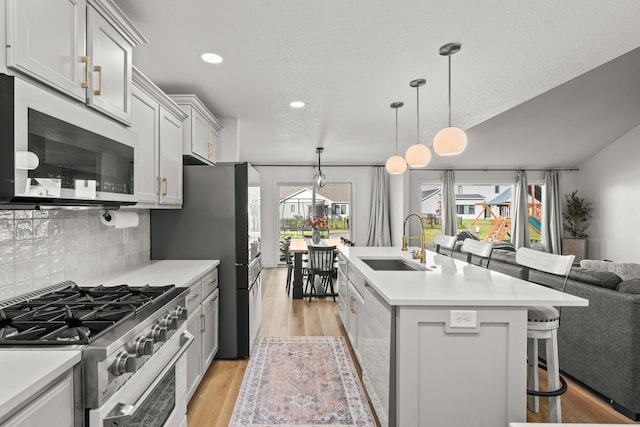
(392, 264)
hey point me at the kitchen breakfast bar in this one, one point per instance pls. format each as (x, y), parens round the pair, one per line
(441, 343)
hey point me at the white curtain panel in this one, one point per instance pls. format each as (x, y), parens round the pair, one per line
(449, 213)
(379, 221)
(520, 213)
(552, 213)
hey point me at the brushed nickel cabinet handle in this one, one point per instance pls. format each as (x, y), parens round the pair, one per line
(203, 326)
(353, 310)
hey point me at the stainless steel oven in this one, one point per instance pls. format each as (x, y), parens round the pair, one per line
(156, 396)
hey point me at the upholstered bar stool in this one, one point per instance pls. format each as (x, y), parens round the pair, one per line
(442, 241)
(542, 324)
(480, 249)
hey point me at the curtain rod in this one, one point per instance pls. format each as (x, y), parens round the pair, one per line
(431, 169)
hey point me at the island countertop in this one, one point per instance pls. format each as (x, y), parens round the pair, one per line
(450, 282)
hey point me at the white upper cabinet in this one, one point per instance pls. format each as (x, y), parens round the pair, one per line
(46, 39)
(200, 131)
(158, 122)
(82, 48)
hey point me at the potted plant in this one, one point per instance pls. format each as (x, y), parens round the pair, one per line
(577, 218)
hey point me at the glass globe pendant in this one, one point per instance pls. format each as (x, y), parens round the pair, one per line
(418, 155)
(396, 165)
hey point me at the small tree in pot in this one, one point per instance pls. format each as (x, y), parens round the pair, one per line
(577, 218)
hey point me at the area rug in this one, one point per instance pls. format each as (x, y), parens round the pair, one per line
(295, 381)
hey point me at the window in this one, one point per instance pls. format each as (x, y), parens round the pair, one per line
(297, 213)
(483, 208)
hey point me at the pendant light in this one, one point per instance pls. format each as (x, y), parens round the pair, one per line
(418, 155)
(396, 165)
(319, 179)
(450, 140)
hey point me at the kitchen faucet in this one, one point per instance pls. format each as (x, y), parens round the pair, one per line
(405, 239)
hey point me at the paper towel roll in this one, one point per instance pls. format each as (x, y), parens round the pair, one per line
(120, 219)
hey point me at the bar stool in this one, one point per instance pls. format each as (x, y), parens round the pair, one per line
(542, 324)
(480, 249)
(444, 241)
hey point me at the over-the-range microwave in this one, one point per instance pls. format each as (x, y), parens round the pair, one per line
(56, 152)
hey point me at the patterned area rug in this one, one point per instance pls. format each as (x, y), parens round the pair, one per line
(294, 381)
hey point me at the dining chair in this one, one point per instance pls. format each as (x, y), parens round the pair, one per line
(444, 241)
(542, 324)
(480, 249)
(321, 269)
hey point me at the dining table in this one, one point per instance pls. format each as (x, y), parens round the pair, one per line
(298, 247)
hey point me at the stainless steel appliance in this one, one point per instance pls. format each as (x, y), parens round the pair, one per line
(56, 152)
(220, 219)
(132, 341)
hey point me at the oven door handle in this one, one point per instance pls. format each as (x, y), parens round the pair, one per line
(122, 413)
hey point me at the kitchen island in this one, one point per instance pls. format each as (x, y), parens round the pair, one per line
(442, 342)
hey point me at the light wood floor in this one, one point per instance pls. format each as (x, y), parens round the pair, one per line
(213, 402)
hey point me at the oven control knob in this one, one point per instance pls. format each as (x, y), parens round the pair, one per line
(144, 346)
(158, 333)
(180, 313)
(169, 321)
(125, 363)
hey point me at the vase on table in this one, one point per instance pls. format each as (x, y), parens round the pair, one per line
(315, 236)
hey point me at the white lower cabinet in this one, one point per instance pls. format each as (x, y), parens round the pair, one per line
(343, 292)
(53, 408)
(203, 306)
(356, 320)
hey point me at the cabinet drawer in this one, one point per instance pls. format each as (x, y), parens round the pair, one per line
(194, 297)
(209, 282)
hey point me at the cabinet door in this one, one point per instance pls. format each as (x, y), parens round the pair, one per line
(46, 39)
(199, 134)
(144, 121)
(54, 408)
(343, 295)
(110, 58)
(212, 144)
(356, 316)
(170, 158)
(193, 353)
(210, 309)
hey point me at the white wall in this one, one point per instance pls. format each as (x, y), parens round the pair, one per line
(610, 180)
(39, 248)
(271, 176)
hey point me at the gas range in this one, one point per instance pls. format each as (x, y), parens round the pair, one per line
(118, 328)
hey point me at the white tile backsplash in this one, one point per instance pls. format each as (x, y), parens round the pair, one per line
(42, 247)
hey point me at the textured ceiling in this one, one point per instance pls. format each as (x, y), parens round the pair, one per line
(350, 59)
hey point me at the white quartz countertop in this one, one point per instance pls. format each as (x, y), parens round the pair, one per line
(157, 273)
(450, 282)
(24, 373)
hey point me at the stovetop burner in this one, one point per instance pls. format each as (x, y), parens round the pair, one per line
(74, 314)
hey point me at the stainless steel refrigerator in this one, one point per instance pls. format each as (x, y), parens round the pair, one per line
(219, 219)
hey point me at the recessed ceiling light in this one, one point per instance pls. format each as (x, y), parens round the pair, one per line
(297, 104)
(211, 58)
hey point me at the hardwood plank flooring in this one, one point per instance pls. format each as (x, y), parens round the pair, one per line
(213, 402)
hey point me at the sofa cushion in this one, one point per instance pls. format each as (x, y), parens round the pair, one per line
(507, 256)
(629, 286)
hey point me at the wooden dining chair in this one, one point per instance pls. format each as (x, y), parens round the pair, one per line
(320, 270)
(542, 324)
(480, 249)
(443, 241)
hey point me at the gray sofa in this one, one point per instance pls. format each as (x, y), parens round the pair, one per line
(599, 345)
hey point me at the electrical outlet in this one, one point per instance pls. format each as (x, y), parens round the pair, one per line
(463, 319)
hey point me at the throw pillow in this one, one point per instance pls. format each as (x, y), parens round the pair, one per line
(595, 264)
(467, 234)
(626, 270)
(604, 279)
(630, 286)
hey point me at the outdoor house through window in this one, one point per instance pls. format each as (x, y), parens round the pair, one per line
(330, 215)
(483, 208)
